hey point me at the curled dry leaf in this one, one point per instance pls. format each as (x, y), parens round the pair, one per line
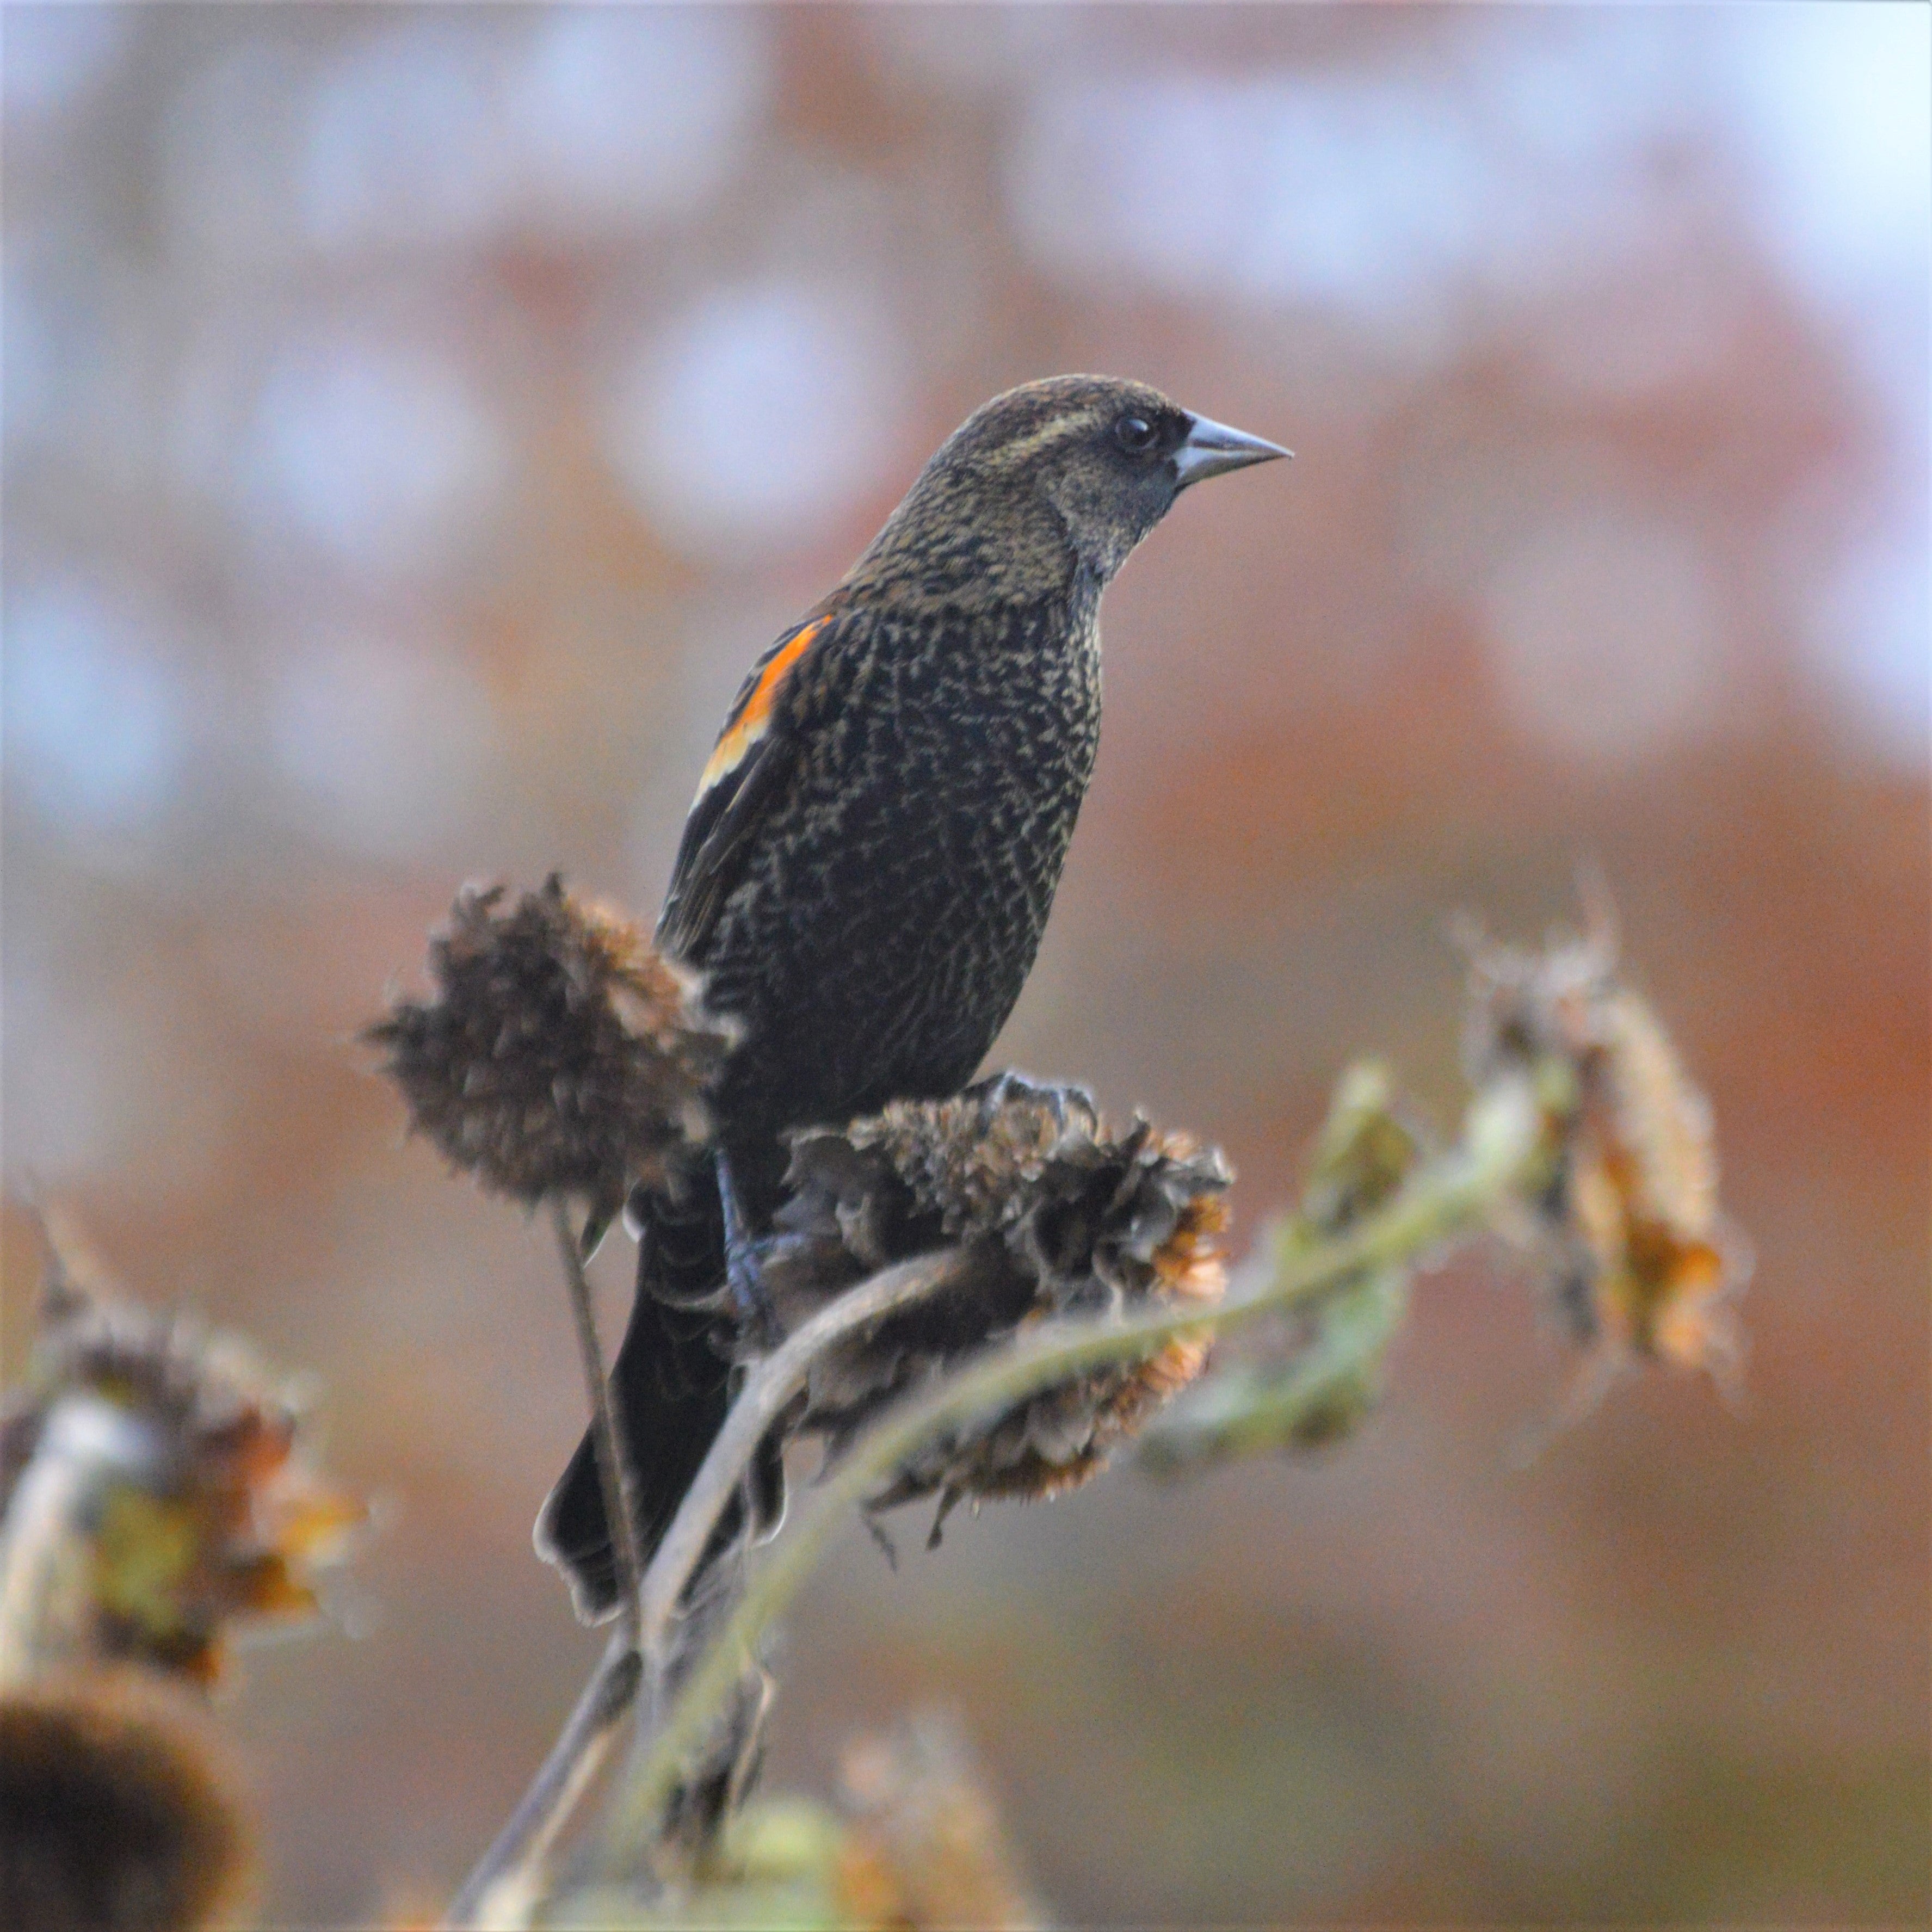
(1310, 1376)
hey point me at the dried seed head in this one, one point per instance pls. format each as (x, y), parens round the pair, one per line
(155, 1492)
(117, 1810)
(561, 1053)
(925, 1848)
(1646, 1264)
(1056, 1215)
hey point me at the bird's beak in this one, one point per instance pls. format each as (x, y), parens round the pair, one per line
(1212, 448)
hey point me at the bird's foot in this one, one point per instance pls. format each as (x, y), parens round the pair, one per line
(751, 1300)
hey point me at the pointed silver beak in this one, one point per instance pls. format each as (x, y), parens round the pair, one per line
(1212, 448)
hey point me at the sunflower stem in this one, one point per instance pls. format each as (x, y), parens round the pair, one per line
(614, 1471)
(767, 1394)
(1448, 1195)
(509, 1878)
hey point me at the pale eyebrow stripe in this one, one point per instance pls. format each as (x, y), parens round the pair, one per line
(1049, 433)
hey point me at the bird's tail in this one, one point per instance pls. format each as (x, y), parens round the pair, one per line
(670, 1387)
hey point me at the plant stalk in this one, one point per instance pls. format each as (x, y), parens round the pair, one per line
(1447, 1196)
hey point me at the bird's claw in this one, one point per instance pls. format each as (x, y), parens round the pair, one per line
(751, 1300)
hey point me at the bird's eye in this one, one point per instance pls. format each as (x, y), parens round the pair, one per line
(1135, 434)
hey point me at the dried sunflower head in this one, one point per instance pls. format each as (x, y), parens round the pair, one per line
(1646, 1264)
(119, 1810)
(562, 1053)
(155, 1493)
(1055, 1215)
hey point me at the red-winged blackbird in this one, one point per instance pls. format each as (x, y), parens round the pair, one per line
(868, 865)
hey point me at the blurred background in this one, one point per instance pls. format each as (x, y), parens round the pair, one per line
(415, 422)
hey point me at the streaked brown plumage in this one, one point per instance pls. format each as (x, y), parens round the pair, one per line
(867, 866)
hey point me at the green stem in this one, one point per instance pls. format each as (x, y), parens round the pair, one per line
(767, 1393)
(1447, 1196)
(1317, 1394)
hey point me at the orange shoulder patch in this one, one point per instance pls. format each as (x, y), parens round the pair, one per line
(752, 717)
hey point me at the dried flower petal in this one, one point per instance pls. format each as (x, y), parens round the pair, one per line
(1055, 1216)
(562, 1052)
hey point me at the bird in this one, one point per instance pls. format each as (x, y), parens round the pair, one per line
(866, 870)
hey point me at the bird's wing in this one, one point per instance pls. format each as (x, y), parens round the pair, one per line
(754, 751)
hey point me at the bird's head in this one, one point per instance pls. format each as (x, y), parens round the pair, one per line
(1071, 472)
